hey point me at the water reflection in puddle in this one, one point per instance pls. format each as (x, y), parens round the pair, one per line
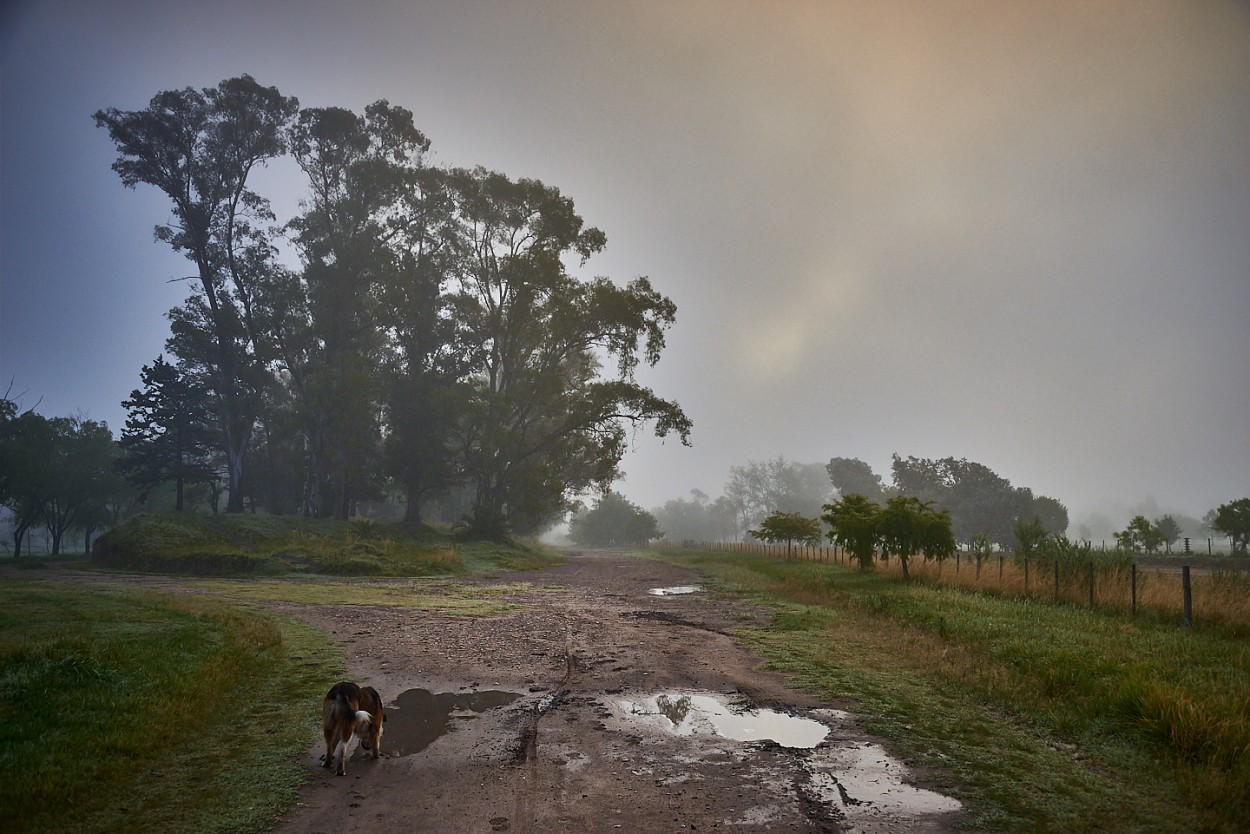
(859, 778)
(417, 717)
(686, 715)
(674, 590)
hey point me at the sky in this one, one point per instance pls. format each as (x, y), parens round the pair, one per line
(1012, 232)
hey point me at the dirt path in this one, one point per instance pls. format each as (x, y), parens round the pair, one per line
(585, 747)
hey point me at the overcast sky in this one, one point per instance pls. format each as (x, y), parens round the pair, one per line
(1016, 232)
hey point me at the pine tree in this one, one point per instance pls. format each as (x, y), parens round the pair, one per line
(168, 435)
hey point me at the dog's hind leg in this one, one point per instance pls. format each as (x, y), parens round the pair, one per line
(341, 751)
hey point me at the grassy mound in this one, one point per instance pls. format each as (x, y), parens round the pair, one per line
(278, 545)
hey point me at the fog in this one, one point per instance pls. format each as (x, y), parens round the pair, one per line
(1017, 233)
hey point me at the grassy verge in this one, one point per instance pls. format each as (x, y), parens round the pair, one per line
(284, 545)
(126, 711)
(1039, 717)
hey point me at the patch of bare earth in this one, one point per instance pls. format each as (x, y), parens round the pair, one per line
(567, 755)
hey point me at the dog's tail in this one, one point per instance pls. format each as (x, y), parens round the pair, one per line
(363, 720)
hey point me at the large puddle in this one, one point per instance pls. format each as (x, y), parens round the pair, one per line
(418, 717)
(688, 714)
(859, 778)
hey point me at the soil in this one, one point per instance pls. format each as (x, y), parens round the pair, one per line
(565, 750)
(567, 755)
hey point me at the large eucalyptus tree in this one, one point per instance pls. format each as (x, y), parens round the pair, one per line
(199, 147)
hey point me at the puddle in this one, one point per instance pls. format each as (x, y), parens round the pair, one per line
(689, 715)
(860, 779)
(674, 590)
(867, 781)
(417, 717)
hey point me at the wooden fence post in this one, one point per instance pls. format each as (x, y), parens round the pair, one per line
(1026, 576)
(1091, 586)
(1134, 611)
(1189, 600)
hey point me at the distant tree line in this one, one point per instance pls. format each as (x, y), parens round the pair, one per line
(782, 501)
(432, 340)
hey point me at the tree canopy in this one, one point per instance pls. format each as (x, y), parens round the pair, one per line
(786, 527)
(613, 522)
(434, 331)
(1233, 520)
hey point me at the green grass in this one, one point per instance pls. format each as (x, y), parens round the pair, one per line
(126, 711)
(248, 544)
(1038, 717)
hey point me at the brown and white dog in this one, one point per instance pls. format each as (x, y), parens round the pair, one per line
(351, 710)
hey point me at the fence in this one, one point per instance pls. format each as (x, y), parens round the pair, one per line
(1191, 590)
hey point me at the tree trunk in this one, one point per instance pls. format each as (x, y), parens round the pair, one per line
(312, 486)
(412, 507)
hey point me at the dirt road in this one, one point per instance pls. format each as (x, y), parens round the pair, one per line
(597, 706)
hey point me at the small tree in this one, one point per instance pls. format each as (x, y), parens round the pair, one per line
(79, 472)
(1140, 535)
(1029, 536)
(614, 521)
(788, 528)
(1233, 520)
(908, 526)
(167, 435)
(1169, 529)
(27, 448)
(853, 523)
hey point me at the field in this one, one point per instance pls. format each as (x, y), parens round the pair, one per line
(1048, 712)
(1038, 715)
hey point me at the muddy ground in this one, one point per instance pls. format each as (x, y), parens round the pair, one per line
(583, 747)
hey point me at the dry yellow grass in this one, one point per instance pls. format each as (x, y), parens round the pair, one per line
(1217, 597)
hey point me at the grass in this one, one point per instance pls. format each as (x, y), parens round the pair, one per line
(127, 711)
(1039, 717)
(1219, 597)
(249, 544)
(435, 595)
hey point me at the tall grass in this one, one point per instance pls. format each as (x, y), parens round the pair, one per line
(1041, 717)
(1219, 597)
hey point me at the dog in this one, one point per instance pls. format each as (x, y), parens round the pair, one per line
(351, 710)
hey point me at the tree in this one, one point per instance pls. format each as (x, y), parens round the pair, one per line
(853, 523)
(1169, 529)
(357, 168)
(539, 421)
(852, 475)
(614, 521)
(168, 434)
(1233, 520)
(79, 474)
(697, 519)
(761, 487)
(1030, 534)
(908, 526)
(27, 449)
(199, 147)
(1052, 515)
(979, 501)
(426, 365)
(789, 528)
(1140, 535)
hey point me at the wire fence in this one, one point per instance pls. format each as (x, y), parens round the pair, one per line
(1190, 590)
